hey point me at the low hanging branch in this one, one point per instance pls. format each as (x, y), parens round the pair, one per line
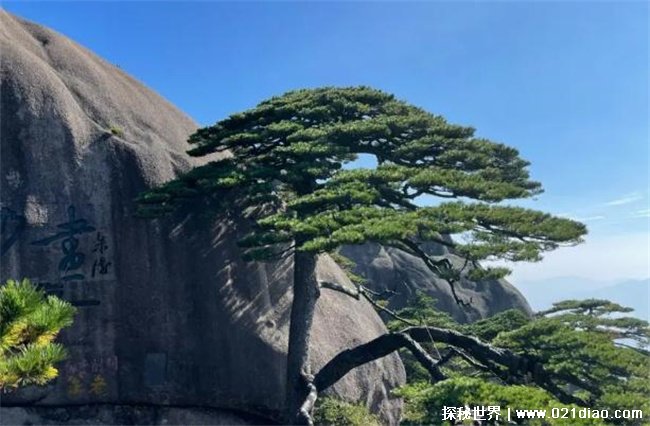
(517, 367)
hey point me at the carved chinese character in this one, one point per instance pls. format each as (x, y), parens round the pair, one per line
(72, 258)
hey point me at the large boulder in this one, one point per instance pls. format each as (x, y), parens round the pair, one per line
(388, 268)
(168, 313)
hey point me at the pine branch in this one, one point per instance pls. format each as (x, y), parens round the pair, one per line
(355, 294)
(438, 267)
(363, 291)
(515, 366)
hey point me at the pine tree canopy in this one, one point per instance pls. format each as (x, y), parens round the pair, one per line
(289, 154)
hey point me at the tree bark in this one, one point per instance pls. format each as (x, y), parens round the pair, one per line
(305, 295)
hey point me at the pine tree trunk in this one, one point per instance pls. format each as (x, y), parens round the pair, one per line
(305, 296)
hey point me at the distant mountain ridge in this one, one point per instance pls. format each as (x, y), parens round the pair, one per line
(634, 293)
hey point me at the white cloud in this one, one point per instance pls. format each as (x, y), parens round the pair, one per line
(609, 257)
(589, 218)
(626, 199)
(641, 213)
(580, 219)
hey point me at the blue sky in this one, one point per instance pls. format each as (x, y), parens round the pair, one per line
(564, 82)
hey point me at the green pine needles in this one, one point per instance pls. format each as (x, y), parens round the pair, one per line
(29, 323)
(290, 151)
(334, 412)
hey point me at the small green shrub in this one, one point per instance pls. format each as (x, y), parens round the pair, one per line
(117, 131)
(334, 412)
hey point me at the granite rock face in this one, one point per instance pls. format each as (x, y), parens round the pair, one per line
(388, 268)
(169, 315)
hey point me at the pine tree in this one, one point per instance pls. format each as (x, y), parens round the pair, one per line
(585, 344)
(29, 323)
(283, 165)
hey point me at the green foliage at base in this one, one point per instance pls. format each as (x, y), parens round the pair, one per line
(29, 323)
(425, 402)
(334, 412)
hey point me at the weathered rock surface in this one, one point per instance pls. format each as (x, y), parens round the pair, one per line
(388, 268)
(169, 315)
